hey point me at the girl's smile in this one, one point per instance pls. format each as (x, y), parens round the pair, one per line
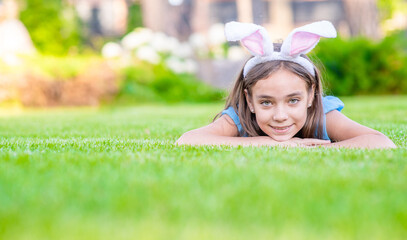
(281, 130)
(280, 103)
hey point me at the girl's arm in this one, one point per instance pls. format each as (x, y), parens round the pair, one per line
(220, 132)
(348, 133)
(223, 131)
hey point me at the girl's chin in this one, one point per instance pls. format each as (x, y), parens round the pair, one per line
(281, 138)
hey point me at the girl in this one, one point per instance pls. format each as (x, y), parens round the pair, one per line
(278, 98)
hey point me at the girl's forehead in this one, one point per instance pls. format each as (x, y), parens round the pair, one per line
(281, 82)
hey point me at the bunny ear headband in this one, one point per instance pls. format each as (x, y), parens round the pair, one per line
(300, 41)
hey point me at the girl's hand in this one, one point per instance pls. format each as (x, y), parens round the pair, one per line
(293, 142)
(304, 142)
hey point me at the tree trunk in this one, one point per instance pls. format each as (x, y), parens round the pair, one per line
(363, 18)
(245, 11)
(281, 18)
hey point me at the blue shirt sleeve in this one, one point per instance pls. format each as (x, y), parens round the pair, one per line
(329, 104)
(230, 111)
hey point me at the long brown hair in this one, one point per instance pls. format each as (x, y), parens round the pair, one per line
(236, 99)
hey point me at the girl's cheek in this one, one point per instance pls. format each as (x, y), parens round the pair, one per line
(263, 116)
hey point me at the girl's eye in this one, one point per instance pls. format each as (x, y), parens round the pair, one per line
(265, 103)
(293, 101)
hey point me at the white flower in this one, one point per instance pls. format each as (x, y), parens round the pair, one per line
(190, 66)
(197, 40)
(163, 43)
(111, 50)
(236, 53)
(174, 64)
(160, 42)
(137, 38)
(148, 54)
(181, 66)
(217, 34)
(172, 44)
(183, 50)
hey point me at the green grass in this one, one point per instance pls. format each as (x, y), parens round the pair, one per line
(115, 174)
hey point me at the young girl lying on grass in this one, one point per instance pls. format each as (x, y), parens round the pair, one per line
(278, 98)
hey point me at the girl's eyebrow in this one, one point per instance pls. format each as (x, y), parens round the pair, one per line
(298, 93)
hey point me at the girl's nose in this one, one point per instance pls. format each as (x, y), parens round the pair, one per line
(280, 115)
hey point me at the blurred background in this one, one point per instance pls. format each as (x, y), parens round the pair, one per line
(124, 52)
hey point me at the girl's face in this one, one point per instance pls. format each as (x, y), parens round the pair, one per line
(280, 103)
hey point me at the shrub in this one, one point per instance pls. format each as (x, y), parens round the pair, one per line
(53, 25)
(156, 83)
(361, 66)
(43, 81)
(60, 68)
(89, 80)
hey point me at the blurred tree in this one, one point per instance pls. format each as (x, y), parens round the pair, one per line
(363, 18)
(53, 25)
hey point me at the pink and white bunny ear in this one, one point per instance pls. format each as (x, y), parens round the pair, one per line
(252, 36)
(303, 39)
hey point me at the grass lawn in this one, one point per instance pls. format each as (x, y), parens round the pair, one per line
(114, 173)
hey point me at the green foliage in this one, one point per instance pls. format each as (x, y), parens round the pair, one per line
(116, 174)
(140, 83)
(151, 83)
(53, 26)
(361, 66)
(135, 17)
(388, 7)
(60, 68)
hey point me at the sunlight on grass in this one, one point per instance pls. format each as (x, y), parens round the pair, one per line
(114, 173)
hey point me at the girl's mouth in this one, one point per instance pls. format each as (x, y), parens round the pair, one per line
(283, 129)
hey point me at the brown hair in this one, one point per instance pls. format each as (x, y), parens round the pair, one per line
(236, 99)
